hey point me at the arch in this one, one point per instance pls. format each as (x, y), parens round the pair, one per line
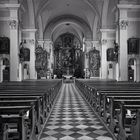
(54, 23)
(132, 69)
(61, 29)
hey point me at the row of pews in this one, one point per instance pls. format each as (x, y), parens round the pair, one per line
(24, 108)
(118, 105)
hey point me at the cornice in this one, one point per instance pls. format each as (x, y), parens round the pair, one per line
(9, 6)
(29, 30)
(108, 30)
(128, 6)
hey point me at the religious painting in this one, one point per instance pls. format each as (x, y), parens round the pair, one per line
(24, 54)
(94, 63)
(133, 45)
(110, 54)
(41, 63)
(4, 45)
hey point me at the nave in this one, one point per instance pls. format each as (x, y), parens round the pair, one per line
(73, 119)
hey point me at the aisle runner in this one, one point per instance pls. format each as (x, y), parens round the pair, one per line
(73, 119)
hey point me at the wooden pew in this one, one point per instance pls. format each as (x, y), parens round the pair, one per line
(102, 100)
(3, 130)
(112, 107)
(41, 98)
(129, 96)
(17, 114)
(25, 96)
(26, 103)
(135, 135)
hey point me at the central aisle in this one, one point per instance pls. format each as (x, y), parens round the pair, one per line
(73, 119)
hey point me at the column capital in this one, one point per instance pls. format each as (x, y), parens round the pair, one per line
(40, 41)
(13, 24)
(123, 24)
(48, 41)
(28, 41)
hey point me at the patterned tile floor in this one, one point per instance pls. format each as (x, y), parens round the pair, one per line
(73, 119)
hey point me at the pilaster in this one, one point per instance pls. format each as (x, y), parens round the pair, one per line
(123, 55)
(88, 46)
(14, 43)
(108, 37)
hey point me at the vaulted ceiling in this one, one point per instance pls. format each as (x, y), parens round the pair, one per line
(80, 17)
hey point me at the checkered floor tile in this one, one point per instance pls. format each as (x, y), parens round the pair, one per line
(73, 119)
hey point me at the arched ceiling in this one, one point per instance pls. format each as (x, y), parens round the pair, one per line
(91, 15)
(72, 20)
(67, 28)
(86, 10)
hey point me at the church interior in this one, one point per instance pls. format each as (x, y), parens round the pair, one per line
(69, 70)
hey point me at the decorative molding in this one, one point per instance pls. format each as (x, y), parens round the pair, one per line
(108, 30)
(29, 30)
(123, 24)
(28, 41)
(13, 24)
(128, 6)
(10, 6)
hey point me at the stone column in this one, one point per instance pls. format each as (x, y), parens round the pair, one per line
(14, 50)
(1, 76)
(104, 55)
(48, 46)
(31, 41)
(97, 45)
(138, 70)
(108, 38)
(123, 55)
(33, 74)
(88, 46)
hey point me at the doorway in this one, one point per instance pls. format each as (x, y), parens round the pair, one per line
(132, 69)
